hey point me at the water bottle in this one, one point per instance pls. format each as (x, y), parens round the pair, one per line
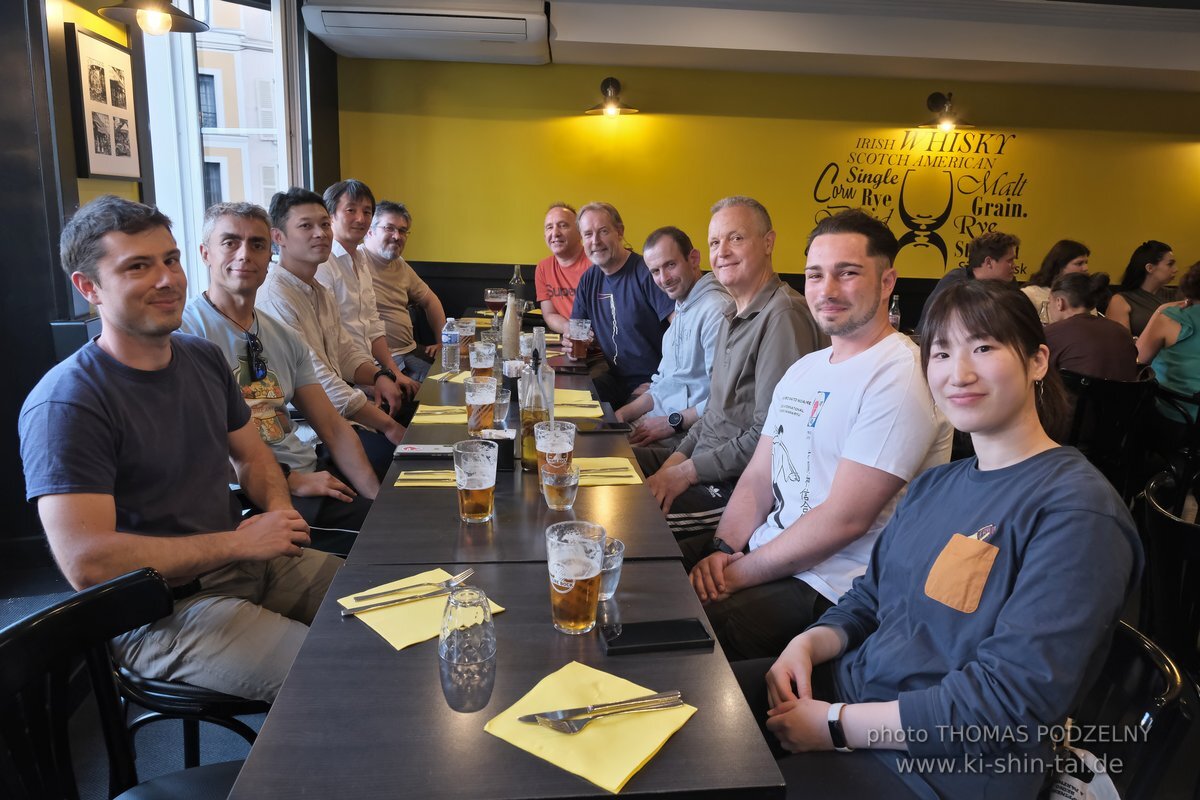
(450, 355)
(894, 312)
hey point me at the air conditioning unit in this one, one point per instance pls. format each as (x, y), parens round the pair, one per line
(511, 32)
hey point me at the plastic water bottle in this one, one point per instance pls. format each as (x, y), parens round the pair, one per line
(450, 354)
(894, 312)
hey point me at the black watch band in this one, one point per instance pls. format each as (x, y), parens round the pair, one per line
(719, 544)
(386, 372)
(836, 734)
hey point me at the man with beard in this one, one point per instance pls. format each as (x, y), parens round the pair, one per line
(848, 427)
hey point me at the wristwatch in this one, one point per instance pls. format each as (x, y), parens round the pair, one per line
(385, 372)
(675, 420)
(835, 729)
(719, 544)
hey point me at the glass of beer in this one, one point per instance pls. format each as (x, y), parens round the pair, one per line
(579, 334)
(555, 443)
(483, 359)
(475, 472)
(481, 404)
(466, 335)
(560, 487)
(574, 555)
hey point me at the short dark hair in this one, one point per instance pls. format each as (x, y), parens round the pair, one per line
(283, 203)
(356, 189)
(670, 231)
(1062, 253)
(80, 247)
(993, 309)
(1081, 290)
(390, 207)
(1148, 252)
(1189, 284)
(881, 242)
(239, 210)
(994, 245)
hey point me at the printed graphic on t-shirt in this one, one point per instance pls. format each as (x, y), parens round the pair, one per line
(783, 467)
(560, 291)
(266, 401)
(612, 308)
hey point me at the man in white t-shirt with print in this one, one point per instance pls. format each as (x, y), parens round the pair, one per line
(848, 427)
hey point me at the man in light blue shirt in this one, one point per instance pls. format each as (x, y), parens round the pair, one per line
(679, 389)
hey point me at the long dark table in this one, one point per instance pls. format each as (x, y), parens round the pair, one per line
(355, 718)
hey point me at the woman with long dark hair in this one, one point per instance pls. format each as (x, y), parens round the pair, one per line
(1151, 267)
(1066, 257)
(990, 599)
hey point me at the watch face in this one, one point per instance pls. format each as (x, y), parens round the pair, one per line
(675, 420)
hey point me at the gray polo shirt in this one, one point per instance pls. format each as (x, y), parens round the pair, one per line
(753, 350)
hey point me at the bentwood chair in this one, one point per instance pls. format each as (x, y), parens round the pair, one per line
(39, 656)
(1174, 434)
(1138, 711)
(1107, 426)
(1172, 544)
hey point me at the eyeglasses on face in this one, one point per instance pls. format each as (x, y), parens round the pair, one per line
(391, 230)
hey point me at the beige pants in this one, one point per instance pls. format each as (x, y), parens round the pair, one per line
(240, 633)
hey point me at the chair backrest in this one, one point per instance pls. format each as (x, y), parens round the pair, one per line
(1135, 712)
(1176, 434)
(38, 656)
(1172, 570)
(1107, 424)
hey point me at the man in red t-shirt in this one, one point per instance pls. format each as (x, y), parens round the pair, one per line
(558, 274)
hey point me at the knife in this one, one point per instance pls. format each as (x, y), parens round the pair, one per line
(349, 612)
(567, 713)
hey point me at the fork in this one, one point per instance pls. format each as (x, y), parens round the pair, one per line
(449, 583)
(577, 724)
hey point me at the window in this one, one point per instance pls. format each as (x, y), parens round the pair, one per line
(212, 183)
(208, 101)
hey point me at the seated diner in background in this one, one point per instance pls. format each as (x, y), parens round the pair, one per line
(1066, 257)
(1081, 341)
(1151, 267)
(991, 256)
(990, 600)
(557, 275)
(1170, 344)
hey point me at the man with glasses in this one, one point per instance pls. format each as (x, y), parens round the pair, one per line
(301, 229)
(332, 485)
(351, 205)
(397, 285)
(127, 447)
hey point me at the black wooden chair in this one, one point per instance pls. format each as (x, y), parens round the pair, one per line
(39, 655)
(1107, 426)
(1144, 704)
(1175, 441)
(1172, 617)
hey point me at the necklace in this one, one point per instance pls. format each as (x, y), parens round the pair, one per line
(254, 349)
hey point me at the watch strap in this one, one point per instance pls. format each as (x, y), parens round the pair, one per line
(720, 544)
(384, 371)
(836, 734)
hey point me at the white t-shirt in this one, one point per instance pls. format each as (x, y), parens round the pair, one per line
(874, 409)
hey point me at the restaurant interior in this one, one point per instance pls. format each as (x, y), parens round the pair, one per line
(1047, 119)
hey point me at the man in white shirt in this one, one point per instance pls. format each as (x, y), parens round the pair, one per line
(848, 427)
(351, 205)
(397, 285)
(301, 229)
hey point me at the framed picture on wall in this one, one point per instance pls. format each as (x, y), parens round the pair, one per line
(104, 114)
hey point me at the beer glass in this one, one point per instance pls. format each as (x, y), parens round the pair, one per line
(475, 472)
(555, 444)
(560, 488)
(481, 404)
(466, 335)
(483, 360)
(574, 555)
(579, 333)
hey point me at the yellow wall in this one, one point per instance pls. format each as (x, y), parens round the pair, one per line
(479, 151)
(62, 11)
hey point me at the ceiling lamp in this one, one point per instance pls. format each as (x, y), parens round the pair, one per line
(945, 119)
(611, 106)
(155, 17)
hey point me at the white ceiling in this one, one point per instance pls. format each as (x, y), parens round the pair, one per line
(1020, 41)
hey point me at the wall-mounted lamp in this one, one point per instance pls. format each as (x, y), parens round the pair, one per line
(611, 106)
(155, 17)
(944, 117)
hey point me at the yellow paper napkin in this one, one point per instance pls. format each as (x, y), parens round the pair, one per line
(432, 477)
(461, 377)
(629, 477)
(573, 396)
(608, 752)
(437, 415)
(581, 404)
(409, 623)
(553, 338)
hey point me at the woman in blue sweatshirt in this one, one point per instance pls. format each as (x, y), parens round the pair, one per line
(990, 600)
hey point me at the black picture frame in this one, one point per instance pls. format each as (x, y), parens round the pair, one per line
(104, 112)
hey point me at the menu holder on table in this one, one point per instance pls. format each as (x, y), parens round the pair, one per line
(407, 624)
(608, 752)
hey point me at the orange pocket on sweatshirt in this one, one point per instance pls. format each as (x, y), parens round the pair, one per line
(960, 573)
